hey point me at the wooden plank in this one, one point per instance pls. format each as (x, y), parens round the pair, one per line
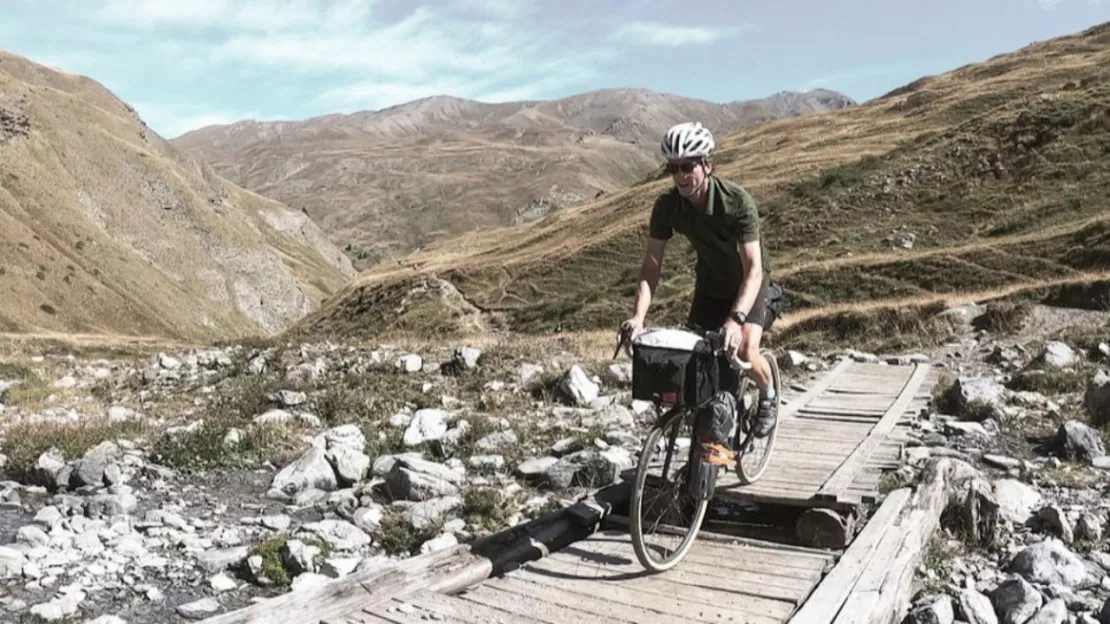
(787, 411)
(528, 606)
(621, 601)
(835, 588)
(551, 598)
(358, 618)
(674, 604)
(751, 585)
(462, 610)
(729, 577)
(696, 596)
(884, 599)
(846, 417)
(842, 478)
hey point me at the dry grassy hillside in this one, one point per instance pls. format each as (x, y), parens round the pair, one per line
(107, 228)
(382, 183)
(990, 179)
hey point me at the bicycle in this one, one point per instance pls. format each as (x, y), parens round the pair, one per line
(693, 484)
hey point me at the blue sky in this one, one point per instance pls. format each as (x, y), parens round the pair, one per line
(188, 63)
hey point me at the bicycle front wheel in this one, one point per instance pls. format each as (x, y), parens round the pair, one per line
(753, 453)
(664, 519)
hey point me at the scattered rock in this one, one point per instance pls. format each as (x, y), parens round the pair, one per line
(311, 471)
(1059, 355)
(427, 424)
(1097, 398)
(198, 609)
(578, 387)
(936, 609)
(1015, 601)
(1077, 441)
(1016, 500)
(975, 608)
(1049, 563)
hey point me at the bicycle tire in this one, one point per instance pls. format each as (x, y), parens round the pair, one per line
(635, 505)
(752, 475)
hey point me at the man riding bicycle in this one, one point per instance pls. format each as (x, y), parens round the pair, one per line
(721, 221)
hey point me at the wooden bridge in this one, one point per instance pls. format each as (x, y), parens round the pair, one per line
(835, 440)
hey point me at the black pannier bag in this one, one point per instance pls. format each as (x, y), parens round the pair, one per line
(776, 304)
(674, 367)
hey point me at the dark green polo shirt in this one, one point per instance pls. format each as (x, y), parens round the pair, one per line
(729, 220)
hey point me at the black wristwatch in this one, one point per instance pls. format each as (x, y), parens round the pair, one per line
(738, 316)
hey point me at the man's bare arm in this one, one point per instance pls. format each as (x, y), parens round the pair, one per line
(650, 270)
(753, 278)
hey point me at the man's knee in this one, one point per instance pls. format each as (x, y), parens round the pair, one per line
(750, 338)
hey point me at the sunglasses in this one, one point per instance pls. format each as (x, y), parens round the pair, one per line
(684, 167)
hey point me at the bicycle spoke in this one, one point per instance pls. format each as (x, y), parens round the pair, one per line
(665, 517)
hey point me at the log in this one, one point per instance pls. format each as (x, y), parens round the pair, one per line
(356, 591)
(882, 596)
(448, 571)
(823, 528)
(872, 581)
(979, 514)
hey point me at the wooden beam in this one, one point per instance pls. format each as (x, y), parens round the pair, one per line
(834, 589)
(883, 594)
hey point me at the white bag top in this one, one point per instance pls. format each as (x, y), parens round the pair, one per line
(670, 338)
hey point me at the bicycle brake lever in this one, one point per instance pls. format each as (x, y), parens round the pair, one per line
(737, 364)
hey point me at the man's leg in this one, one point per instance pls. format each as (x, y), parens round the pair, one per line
(707, 313)
(752, 334)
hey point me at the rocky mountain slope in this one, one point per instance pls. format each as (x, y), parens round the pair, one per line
(107, 228)
(988, 180)
(382, 183)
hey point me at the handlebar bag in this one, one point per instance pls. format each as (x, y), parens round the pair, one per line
(674, 367)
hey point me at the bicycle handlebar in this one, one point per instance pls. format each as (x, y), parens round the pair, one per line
(714, 337)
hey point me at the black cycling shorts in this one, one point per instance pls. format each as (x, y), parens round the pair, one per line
(709, 313)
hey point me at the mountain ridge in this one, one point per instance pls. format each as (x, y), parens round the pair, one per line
(383, 183)
(989, 178)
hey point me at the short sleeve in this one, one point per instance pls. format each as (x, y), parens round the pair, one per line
(745, 226)
(661, 225)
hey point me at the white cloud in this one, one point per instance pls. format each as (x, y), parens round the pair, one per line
(212, 61)
(1049, 5)
(503, 9)
(653, 33)
(237, 15)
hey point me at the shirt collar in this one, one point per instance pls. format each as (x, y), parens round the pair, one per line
(708, 210)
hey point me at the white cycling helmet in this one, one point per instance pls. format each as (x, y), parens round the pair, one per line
(687, 140)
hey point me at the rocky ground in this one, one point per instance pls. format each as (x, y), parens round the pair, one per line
(1025, 402)
(172, 485)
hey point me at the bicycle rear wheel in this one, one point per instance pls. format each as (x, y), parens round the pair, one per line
(661, 508)
(753, 454)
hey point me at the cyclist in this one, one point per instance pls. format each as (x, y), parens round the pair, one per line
(721, 221)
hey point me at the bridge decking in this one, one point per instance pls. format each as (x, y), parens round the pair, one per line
(599, 580)
(835, 439)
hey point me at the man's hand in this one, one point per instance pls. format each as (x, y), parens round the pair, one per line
(632, 328)
(734, 336)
